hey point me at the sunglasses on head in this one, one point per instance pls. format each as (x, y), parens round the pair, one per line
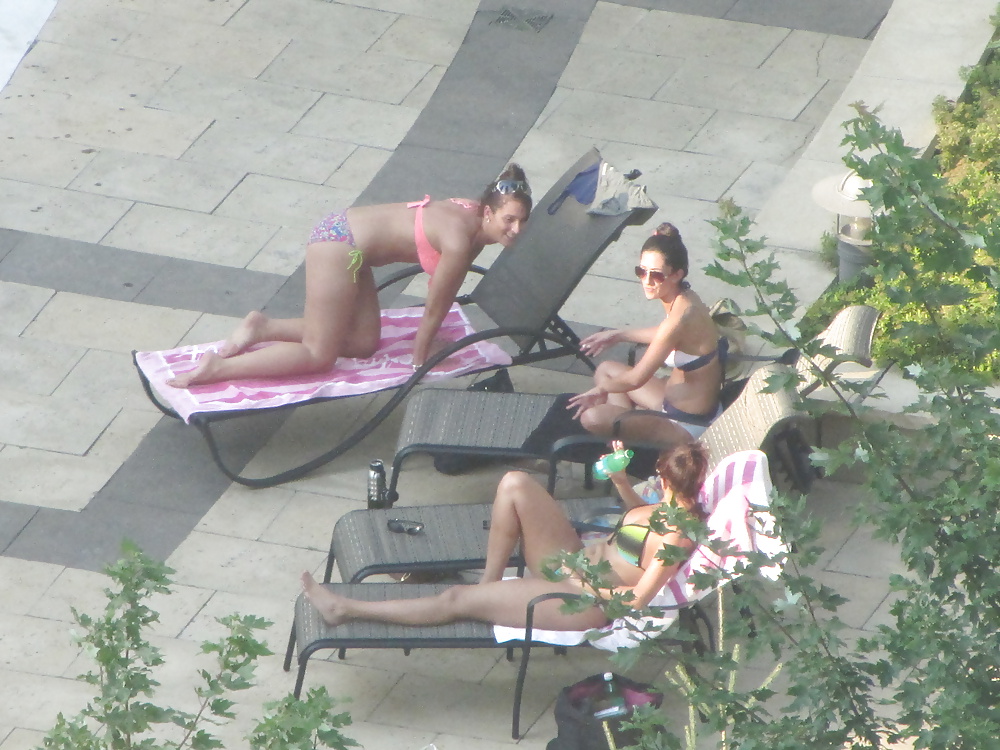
(506, 187)
(655, 275)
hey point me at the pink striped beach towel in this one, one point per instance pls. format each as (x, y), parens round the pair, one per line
(390, 367)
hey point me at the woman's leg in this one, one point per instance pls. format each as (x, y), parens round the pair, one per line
(599, 419)
(339, 320)
(523, 510)
(499, 603)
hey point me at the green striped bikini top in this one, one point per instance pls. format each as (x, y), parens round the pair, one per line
(630, 539)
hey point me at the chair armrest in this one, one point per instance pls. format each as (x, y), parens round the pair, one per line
(529, 617)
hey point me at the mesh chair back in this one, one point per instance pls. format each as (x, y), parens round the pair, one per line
(531, 280)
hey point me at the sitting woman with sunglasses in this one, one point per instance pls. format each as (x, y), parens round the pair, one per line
(342, 316)
(525, 513)
(686, 341)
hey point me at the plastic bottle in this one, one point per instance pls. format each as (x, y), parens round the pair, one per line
(611, 704)
(612, 462)
(376, 484)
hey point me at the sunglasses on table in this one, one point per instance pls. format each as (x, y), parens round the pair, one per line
(655, 275)
(506, 187)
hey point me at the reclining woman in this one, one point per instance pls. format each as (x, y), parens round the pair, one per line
(524, 512)
(687, 340)
(342, 316)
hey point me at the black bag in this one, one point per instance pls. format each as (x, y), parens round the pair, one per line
(579, 730)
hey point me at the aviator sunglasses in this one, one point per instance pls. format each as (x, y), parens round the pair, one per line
(655, 275)
(506, 187)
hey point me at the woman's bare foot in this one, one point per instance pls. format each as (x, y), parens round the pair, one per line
(247, 333)
(205, 371)
(331, 607)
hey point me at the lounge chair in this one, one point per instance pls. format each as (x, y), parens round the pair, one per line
(516, 426)
(736, 493)
(520, 426)
(520, 294)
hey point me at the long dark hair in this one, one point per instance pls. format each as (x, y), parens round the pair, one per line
(684, 468)
(494, 198)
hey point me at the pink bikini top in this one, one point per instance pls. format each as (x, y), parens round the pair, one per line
(427, 254)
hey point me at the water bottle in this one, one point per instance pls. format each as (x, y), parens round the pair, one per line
(611, 704)
(612, 462)
(376, 484)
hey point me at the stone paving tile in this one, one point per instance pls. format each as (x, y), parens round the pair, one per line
(35, 367)
(374, 124)
(190, 235)
(20, 739)
(224, 563)
(39, 477)
(43, 161)
(214, 289)
(754, 91)
(369, 75)
(823, 55)
(109, 324)
(269, 150)
(32, 701)
(337, 24)
(234, 98)
(23, 583)
(65, 69)
(59, 213)
(158, 180)
(736, 135)
(428, 40)
(96, 24)
(281, 202)
(609, 70)
(360, 167)
(692, 37)
(81, 267)
(51, 423)
(90, 122)
(858, 18)
(42, 647)
(116, 376)
(227, 49)
(751, 189)
(648, 123)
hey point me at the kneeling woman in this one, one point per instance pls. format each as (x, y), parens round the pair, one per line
(524, 512)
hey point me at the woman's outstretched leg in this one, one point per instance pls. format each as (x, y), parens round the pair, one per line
(523, 510)
(498, 603)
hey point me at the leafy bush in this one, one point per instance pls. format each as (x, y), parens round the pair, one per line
(968, 162)
(122, 715)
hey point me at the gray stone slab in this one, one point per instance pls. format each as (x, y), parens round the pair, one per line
(417, 170)
(472, 109)
(81, 267)
(157, 496)
(708, 8)
(13, 519)
(8, 240)
(206, 287)
(92, 538)
(855, 18)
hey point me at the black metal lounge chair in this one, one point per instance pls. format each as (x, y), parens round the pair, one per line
(520, 295)
(736, 494)
(445, 422)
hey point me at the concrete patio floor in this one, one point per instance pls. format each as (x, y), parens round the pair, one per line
(160, 168)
